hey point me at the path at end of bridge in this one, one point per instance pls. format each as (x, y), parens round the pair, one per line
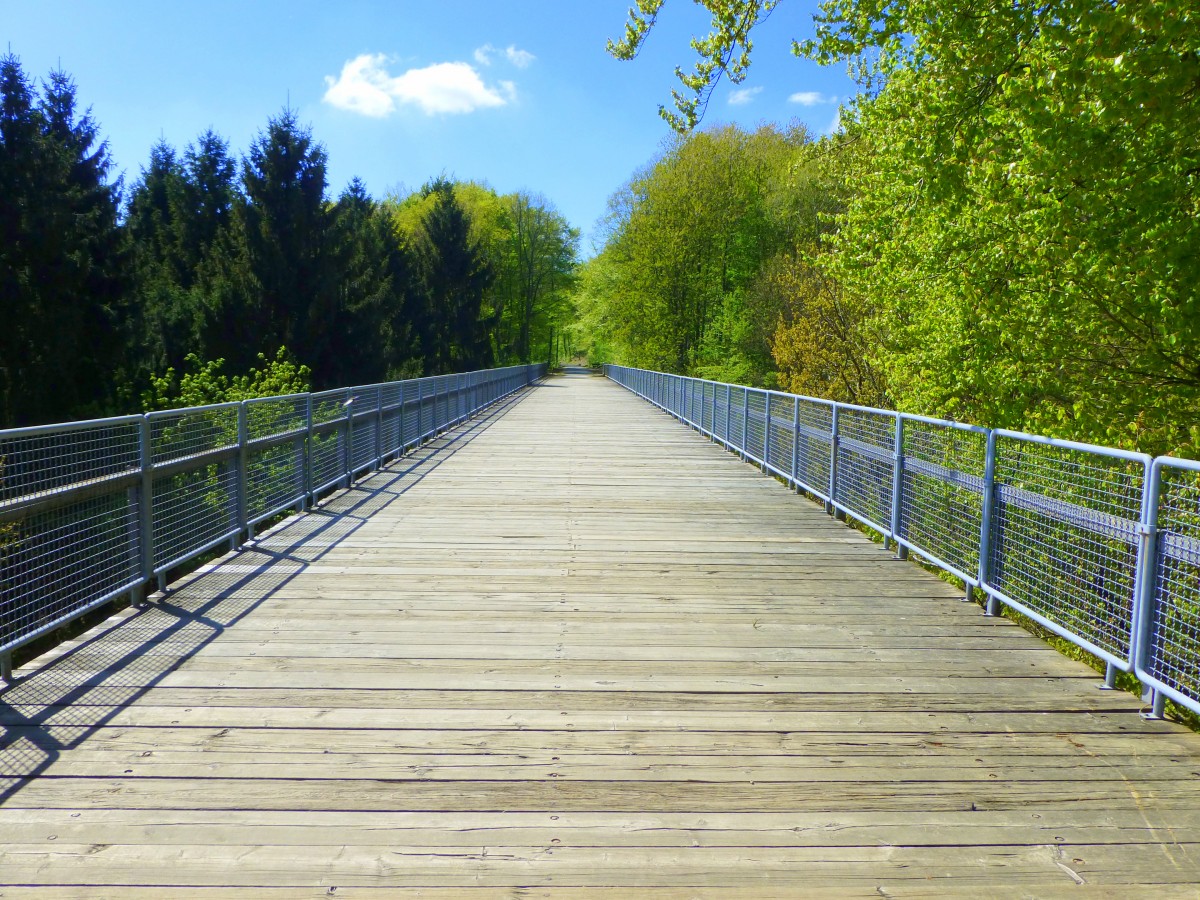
(574, 648)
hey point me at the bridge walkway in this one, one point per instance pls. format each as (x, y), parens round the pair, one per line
(574, 647)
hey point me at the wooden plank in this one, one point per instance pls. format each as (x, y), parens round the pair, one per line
(1037, 867)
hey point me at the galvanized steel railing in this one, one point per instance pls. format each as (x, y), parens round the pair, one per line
(1100, 546)
(93, 510)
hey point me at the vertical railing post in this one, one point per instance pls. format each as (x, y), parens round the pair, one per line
(147, 503)
(728, 407)
(420, 413)
(745, 421)
(833, 462)
(310, 450)
(985, 528)
(349, 446)
(766, 466)
(378, 426)
(711, 427)
(898, 488)
(243, 492)
(796, 443)
(1145, 604)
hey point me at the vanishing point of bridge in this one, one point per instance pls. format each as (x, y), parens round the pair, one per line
(573, 647)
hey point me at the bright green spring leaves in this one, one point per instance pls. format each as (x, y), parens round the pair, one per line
(1026, 214)
(679, 284)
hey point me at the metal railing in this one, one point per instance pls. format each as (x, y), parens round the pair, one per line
(93, 510)
(1100, 546)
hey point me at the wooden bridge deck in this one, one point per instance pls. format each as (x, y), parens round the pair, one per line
(576, 648)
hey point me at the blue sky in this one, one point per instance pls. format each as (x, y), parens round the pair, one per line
(517, 93)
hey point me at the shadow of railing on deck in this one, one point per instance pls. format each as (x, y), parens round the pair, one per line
(59, 706)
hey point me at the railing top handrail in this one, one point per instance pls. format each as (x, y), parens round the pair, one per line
(1094, 449)
(946, 423)
(61, 427)
(208, 407)
(1176, 462)
(252, 401)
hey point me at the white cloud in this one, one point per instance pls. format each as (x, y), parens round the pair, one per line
(742, 96)
(810, 98)
(522, 59)
(366, 87)
(836, 125)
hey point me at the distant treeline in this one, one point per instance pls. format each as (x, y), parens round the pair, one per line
(115, 296)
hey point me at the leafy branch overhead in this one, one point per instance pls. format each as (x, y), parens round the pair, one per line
(725, 51)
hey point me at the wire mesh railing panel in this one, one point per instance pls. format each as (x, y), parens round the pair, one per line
(1171, 654)
(390, 439)
(274, 478)
(269, 417)
(35, 462)
(330, 406)
(737, 419)
(782, 434)
(193, 509)
(362, 443)
(391, 394)
(1065, 537)
(327, 457)
(177, 434)
(941, 492)
(54, 562)
(428, 410)
(721, 412)
(442, 404)
(707, 404)
(814, 442)
(756, 423)
(411, 425)
(865, 462)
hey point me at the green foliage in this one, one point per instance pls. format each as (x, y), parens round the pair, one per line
(688, 239)
(204, 383)
(62, 267)
(177, 219)
(1026, 215)
(824, 339)
(523, 241)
